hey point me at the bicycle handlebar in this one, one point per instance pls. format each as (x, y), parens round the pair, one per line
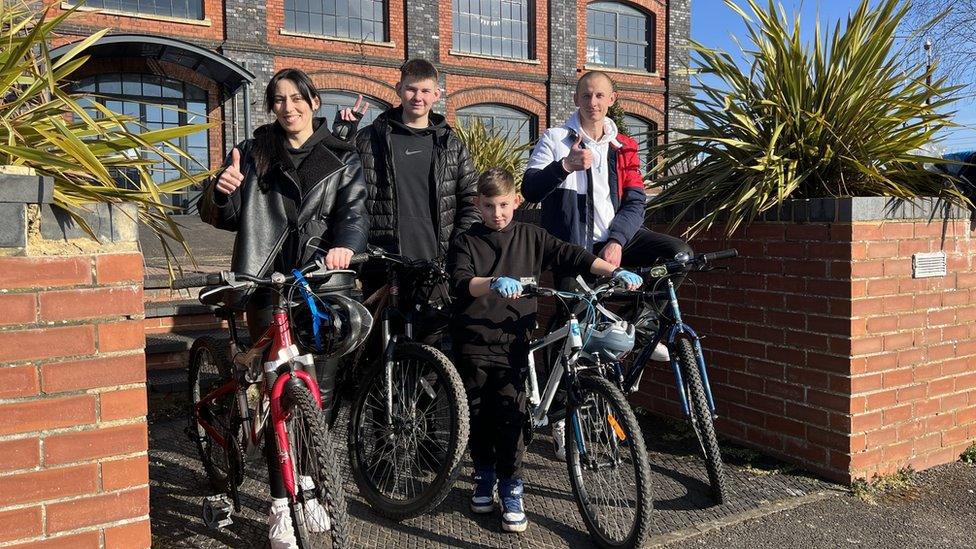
(315, 269)
(685, 264)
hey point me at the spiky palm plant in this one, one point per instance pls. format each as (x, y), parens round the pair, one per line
(490, 148)
(45, 127)
(842, 116)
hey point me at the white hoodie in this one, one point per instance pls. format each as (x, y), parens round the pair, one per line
(555, 144)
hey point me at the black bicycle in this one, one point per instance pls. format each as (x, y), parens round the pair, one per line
(408, 425)
(658, 319)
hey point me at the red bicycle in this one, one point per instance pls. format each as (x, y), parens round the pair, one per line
(235, 390)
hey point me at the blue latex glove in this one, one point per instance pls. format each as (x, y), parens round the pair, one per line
(631, 280)
(506, 286)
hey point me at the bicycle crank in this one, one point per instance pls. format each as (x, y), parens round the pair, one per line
(217, 511)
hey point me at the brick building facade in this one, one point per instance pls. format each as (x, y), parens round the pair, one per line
(508, 62)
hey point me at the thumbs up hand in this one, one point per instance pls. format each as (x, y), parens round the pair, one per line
(578, 158)
(231, 178)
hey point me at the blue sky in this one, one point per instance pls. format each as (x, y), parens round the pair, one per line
(714, 24)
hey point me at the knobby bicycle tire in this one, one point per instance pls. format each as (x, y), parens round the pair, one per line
(209, 367)
(622, 435)
(379, 453)
(312, 455)
(701, 418)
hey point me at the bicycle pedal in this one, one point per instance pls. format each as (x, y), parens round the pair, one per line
(217, 511)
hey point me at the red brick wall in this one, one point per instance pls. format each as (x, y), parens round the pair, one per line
(824, 350)
(913, 366)
(73, 434)
(210, 29)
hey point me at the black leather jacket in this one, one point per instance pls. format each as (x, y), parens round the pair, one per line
(454, 174)
(276, 220)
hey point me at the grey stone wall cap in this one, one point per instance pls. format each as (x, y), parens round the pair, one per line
(110, 222)
(26, 189)
(841, 210)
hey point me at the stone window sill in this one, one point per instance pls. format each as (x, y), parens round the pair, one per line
(285, 32)
(493, 58)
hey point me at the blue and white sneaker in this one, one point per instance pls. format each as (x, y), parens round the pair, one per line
(513, 514)
(483, 498)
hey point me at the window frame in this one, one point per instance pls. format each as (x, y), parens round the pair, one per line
(530, 33)
(90, 5)
(384, 21)
(376, 105)
(201, 96)
(530, 117)
(650, 35)
(652, 129)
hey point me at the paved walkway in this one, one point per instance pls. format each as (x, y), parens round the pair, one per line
(681, 506)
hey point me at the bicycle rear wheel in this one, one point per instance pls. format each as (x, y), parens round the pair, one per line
(405, 464)
(209, 368)
(319, 513)
(701, 418)
(608, 466)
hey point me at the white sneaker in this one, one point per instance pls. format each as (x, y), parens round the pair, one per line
(559, 439)
(281, 532)
(316, 517)
(660, 353)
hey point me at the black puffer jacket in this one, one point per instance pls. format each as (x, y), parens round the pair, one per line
(454, 174)
(279, 217)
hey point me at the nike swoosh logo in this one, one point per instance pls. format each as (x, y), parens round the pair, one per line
(408, 152)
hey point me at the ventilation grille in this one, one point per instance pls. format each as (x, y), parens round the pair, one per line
(929, 264)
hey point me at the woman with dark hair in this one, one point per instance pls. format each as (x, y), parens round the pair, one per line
(293, 193)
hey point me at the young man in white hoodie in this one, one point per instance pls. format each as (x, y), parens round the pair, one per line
(587, 176)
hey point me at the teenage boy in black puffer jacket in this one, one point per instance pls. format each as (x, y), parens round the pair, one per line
(419, 175)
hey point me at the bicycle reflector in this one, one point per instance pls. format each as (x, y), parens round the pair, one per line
(328, 325)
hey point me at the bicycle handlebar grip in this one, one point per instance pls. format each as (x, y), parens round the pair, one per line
(359, 258)
(197, 280)
(716, 256)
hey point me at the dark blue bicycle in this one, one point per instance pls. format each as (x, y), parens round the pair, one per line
(658, 319)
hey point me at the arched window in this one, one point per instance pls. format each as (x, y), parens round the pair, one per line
(508, 121)
(183, 9)
(334, 100)
(619, 36)
(157, 103)
(644, 132)
(499, 28)
(354, 19)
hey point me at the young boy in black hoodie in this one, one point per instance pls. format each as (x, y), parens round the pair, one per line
(488, 264)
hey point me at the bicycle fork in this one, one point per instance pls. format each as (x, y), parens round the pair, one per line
(680, 328)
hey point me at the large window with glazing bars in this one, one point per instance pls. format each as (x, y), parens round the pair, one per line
(619, 36)
(183, 9)
(157, 103)
(353, 19)
(496, 28)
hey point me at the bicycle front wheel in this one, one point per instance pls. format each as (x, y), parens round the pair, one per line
(701, 418)
(608, 466)
(319, 512)
(408, 432)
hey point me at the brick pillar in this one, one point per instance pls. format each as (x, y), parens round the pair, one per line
(825, 350)
(913, 365)
(73, 433)
(679, 60)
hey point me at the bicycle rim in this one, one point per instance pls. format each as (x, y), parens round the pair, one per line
(405, 464)
(611, 480)
(206, 374)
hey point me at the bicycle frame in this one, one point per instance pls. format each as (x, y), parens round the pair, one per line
(669, 331)
(280, 352)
